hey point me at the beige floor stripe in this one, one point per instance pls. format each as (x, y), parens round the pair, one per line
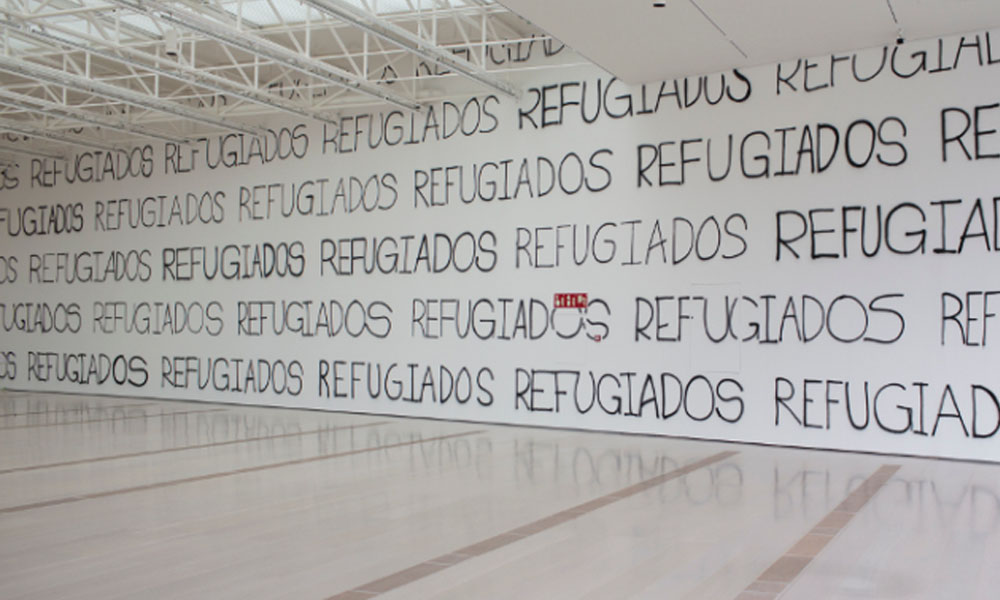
(779, 575)
(429, 567)
(255, 468)
(276, 436)
(74, 409)
(113, 419)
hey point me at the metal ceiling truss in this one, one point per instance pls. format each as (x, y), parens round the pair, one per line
(14, 151)
(82, 83)
(45, 107)
(410, 42)
(28, 130)
(113, 73)
(259, 46)
(175, 70)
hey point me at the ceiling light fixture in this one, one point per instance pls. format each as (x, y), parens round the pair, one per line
(171, 43)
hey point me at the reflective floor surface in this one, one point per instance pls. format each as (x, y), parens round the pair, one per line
(127, 498)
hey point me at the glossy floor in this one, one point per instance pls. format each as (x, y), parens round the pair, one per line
(128, 498)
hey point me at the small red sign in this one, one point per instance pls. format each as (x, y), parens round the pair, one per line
(571, 301)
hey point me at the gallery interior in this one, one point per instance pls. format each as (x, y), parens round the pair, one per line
(464, 299)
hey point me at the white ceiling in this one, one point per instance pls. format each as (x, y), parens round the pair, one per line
(639, 42)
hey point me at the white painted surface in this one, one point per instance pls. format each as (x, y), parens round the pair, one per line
(931, 382)
(640, 42)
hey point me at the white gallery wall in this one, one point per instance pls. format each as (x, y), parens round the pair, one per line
(798, 254)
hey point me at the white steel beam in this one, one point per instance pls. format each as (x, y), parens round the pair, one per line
(174, 70)
(48, 108)
(24, 68)
(408, 41)
(24, 129)
(29, 152)
(255, 44)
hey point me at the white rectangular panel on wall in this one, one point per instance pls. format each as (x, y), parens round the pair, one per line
(801, 254)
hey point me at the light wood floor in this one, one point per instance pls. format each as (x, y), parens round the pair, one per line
(128, 498)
